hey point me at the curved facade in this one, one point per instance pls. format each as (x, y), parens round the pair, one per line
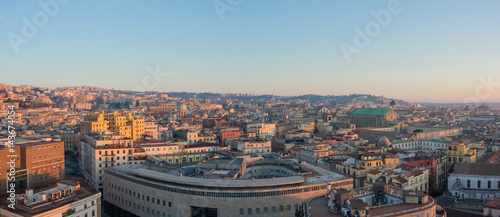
(145, 192)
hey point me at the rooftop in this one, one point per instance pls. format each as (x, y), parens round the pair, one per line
(371, 111)
(495, 204)
(318, 175)
(52, 188)
(478, 169)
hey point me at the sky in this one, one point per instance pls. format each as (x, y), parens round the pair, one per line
(420, 51)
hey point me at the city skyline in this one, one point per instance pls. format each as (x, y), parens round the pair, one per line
(250, 108)
(296, 48)
(477, 103)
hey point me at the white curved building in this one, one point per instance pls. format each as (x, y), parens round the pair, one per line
(219, 188)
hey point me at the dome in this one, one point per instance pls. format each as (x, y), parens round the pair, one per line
(383, 142)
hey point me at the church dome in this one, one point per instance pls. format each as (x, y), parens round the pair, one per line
(383, 142)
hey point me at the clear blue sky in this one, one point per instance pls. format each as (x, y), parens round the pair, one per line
(430, 51)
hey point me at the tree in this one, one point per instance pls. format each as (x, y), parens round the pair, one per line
(316, 130)
(137, 103)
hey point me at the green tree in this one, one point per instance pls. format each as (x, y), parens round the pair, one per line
(316, 130)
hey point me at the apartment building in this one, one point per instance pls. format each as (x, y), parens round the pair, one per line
(359, 166)
(101, 151)
(459, 152)
(119, 123)
(151, 129)
(71, 139)
(312, 152)
(262, 130)
(253, 145)
(405, 177)
(38, 160)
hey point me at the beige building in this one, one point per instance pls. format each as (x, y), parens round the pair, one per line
(416, 179)
(100, 151)
(253, 145)
(262, 130)
(151, 129)
(312, 152)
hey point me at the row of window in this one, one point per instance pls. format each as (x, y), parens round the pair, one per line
(50, 155)
(45, 148)
(479, 184)
(117, 152)
(149, 211)
(232, 194)
(281, 208)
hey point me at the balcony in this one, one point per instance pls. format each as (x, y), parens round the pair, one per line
(108, 155)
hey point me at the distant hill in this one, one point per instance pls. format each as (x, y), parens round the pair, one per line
(311, 98)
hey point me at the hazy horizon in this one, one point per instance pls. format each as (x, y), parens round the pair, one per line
(418, 51)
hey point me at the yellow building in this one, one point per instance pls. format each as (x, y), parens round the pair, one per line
(458, 152)
(120, 123)
(358, 168)
(94, 122)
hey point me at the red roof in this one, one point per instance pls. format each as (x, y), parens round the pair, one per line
(374, 172)
(495, 203)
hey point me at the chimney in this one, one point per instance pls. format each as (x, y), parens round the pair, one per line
(29, 195)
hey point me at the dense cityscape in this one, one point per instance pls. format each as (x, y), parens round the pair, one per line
(239, 108)
(91, 151)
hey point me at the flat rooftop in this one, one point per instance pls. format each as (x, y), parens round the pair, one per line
(320, 175)
(86, 190)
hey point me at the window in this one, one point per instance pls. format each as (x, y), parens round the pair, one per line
(489, 184)
(288, 207)
(478, 183)
(257, 210)
(273, 209)
(249, 210)
(265, 210)
(281, 208)
(468, 183)
(242, 211)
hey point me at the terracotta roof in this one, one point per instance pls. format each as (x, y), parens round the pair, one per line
(495, 203)
(400, 179)
(416, 172)
(493, 158)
